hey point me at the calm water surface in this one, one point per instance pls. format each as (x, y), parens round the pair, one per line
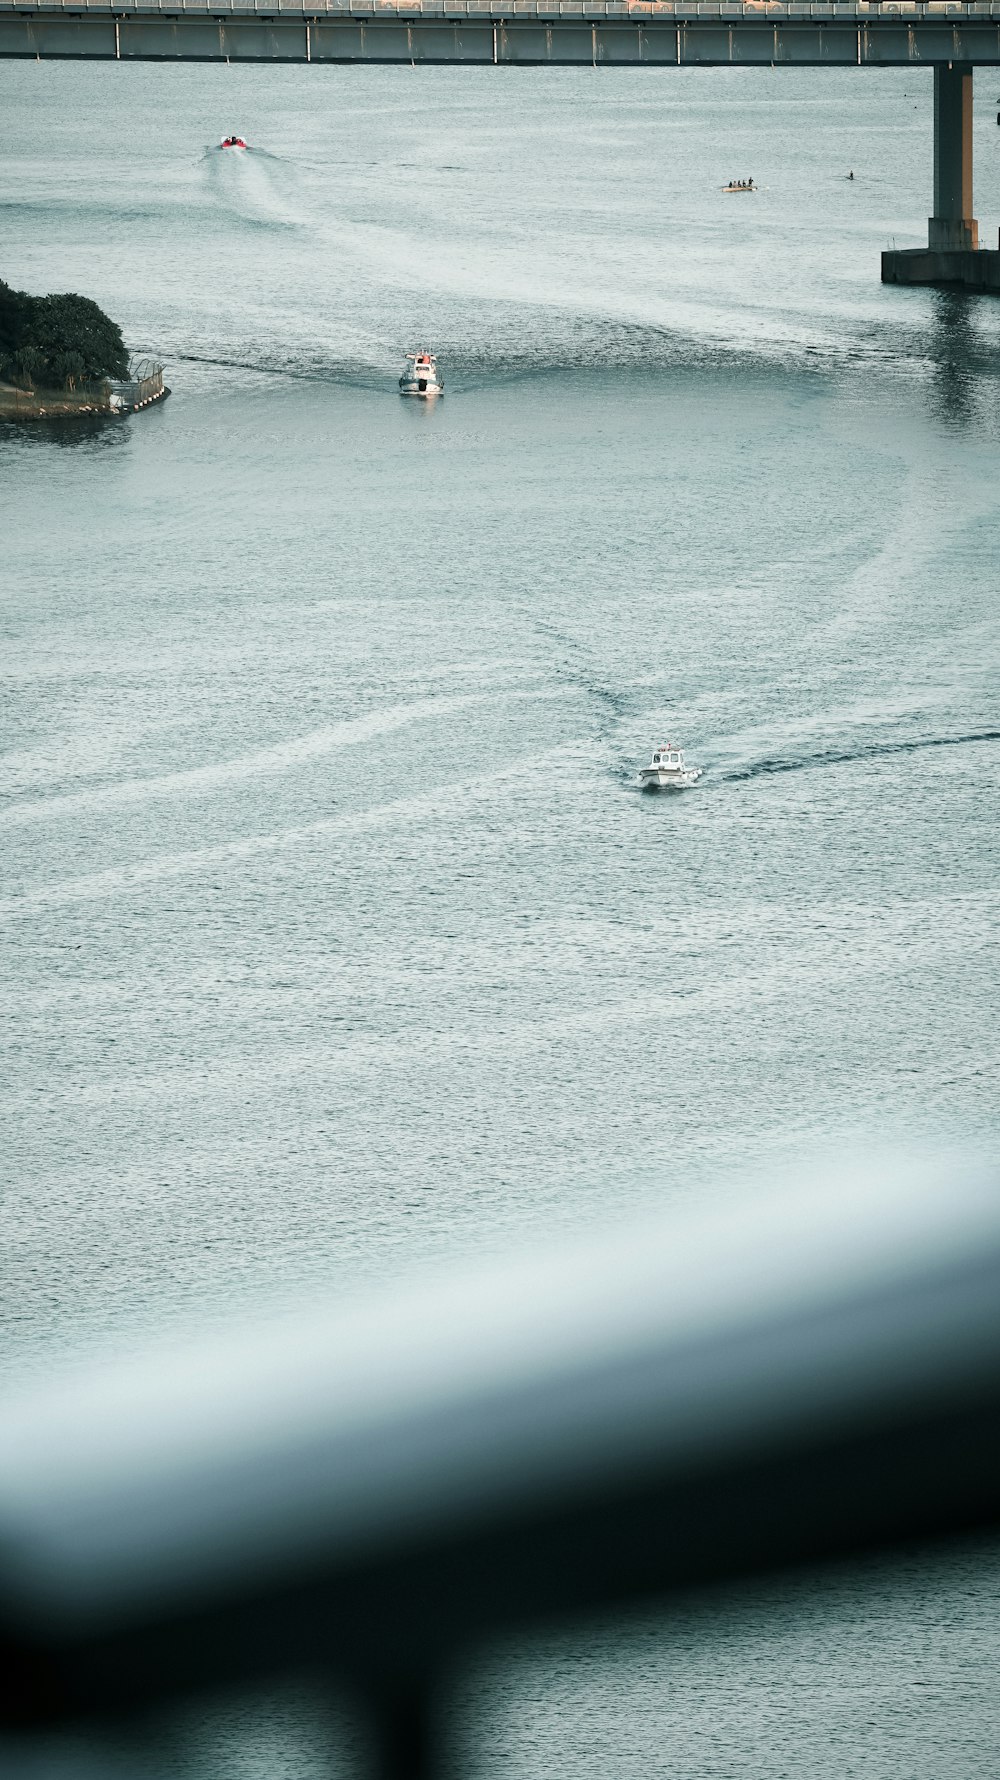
(335, 932)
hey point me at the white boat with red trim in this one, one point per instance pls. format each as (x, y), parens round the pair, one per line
(668, 770)
(421, 376)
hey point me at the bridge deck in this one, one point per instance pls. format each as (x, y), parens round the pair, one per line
(702, 33)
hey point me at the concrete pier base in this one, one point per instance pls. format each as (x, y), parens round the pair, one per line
(976, 270)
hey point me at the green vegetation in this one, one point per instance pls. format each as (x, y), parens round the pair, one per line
(57, 342)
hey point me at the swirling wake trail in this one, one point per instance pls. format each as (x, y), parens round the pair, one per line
(839, 757)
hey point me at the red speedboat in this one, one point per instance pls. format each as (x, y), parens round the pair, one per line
(232, 142)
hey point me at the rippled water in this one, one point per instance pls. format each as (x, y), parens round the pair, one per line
(336, 932)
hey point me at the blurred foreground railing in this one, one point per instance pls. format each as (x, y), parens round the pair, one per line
(370, 1493)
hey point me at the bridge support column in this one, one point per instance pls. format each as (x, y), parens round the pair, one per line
(953, 224)
(952, 254)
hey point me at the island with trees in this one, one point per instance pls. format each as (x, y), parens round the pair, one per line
(61, 354)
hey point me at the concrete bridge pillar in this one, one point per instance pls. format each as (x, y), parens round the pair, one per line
(953, 224)
(952, 254)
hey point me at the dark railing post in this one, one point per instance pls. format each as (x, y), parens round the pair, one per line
(404, 1730)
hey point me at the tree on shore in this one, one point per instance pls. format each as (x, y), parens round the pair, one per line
(57, 341)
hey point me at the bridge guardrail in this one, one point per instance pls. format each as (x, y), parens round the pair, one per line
(749, 11)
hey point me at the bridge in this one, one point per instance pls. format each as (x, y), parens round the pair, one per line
(952, 37)
(573, 33)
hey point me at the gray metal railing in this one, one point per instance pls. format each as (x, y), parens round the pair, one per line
(369, 1493)
(144, 384)
(747, 11)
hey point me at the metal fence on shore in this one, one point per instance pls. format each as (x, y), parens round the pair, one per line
(143, 384)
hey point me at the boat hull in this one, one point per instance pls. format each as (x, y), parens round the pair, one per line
(429, 389)
(653, 779)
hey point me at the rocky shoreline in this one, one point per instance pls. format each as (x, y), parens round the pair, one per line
(38, 404)
(48, 404)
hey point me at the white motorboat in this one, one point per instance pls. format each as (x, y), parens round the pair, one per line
(420, 376)
(667, 771)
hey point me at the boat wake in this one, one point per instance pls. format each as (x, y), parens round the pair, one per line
(768, 767)
(282, 757)
(420, 808)
(569, 661)
(256, 188)
(354, 373)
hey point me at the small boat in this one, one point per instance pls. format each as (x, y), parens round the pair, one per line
(667, 770)
(741, 185)
(420, 376)
(232, 142)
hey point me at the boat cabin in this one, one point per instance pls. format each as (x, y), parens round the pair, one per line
(668, 757)
(420, 375)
